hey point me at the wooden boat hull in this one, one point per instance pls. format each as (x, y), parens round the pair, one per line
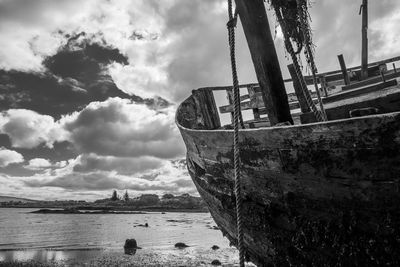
(322, 194)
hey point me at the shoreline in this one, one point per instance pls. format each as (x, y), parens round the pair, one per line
(108, 210)
(144, 257)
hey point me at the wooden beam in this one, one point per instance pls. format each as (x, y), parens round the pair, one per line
(359, 91)
(257, 103)
(370, 81)
(262, 49)
(299, 92)
(385, 104)
(253, 97)
(205, 102)
(229, 97)
(364, 42)
(324, 85)
(344, 70)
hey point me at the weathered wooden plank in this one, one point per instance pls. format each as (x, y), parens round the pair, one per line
(207, 107)
(324, 85)
(244, 106)
(229, 97)
(257, 103)
(373, 70)
(364, 38)
(371, 67)
(359, 91)
(370, 81)
(225, 88)
(344, 69)
(253, 98)
(265, 59)
(385, 104)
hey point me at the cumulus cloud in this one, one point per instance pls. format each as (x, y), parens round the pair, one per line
(38, 164)
(8, 157)
(91, 181)
(120, 127)
(170, 177)
(121, 165)
(108, 181)
(28, 129)
(30, 29)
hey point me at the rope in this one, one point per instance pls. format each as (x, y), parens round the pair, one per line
(231, 35)
(237, 116)
(297, 69)
(309, 54)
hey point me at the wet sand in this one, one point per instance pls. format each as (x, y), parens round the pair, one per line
(174, 257)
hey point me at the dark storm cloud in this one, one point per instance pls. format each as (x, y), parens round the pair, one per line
(75, 76)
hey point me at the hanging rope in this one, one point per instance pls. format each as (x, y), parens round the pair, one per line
(231, 35)
(302, 82)
(237, 116)
(309, 53)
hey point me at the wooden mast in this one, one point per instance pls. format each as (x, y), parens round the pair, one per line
(364, 42)
(256, 28)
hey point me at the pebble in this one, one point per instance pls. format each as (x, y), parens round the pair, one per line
(216, 262)
(181, 245)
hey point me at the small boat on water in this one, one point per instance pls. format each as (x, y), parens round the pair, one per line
(314, 192)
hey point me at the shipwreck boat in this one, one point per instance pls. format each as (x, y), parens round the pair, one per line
(314, 193)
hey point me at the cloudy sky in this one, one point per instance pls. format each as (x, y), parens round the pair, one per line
(89, 88)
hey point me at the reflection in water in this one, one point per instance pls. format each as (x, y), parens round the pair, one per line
(55, 237)
(47, 255)
(130, 251)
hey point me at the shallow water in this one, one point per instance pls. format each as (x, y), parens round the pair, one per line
(53, 237)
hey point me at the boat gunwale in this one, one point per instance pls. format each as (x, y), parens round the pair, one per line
(272, 128)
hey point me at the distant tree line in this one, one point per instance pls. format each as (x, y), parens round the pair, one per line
(184, 201)
(166, 201)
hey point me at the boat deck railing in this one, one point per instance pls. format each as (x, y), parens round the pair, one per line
(332, 88)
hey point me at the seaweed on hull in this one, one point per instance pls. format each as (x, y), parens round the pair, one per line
(291, 10)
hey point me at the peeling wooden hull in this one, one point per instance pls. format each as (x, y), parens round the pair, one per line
(321, 194)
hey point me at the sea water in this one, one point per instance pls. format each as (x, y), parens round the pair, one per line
(26, 236)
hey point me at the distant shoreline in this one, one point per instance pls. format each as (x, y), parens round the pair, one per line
(114, 205)
(104, 210)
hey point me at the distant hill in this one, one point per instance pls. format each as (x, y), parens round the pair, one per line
(7, 199)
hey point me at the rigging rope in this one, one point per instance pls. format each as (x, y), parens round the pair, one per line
(296, 66)
(305, 29)
(237, 117)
